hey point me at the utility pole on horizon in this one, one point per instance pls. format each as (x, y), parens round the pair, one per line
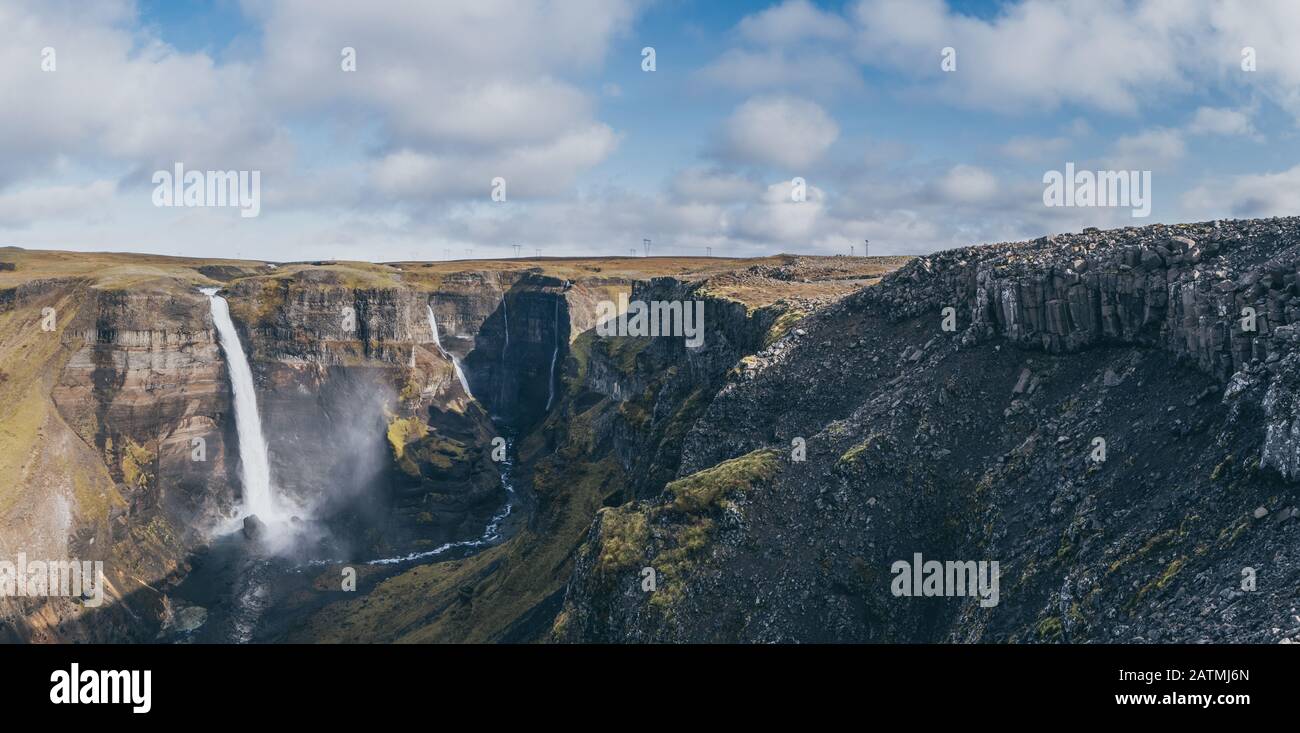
(516, 246)
(645, 243)
(865, 244)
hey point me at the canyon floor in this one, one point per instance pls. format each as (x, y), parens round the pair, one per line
(1111, 416)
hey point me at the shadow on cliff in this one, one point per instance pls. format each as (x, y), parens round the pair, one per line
(514, 366)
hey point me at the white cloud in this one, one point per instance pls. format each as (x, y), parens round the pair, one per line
(813, 72)
(1034, 149)
(1112, 56)
(543, 169)
(118, 96)
(778, 218)
(1254, 195)
(462, 92)
(1221, 121)
(967, 184)
(794, 21)
(786, 132)
(23, 207)
(1035, 52)
(398, 157)
(1146, 150)
(696, 185)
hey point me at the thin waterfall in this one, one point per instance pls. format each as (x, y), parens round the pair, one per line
(505, 312)
(554, 354)
(455, 363)
(255, 466)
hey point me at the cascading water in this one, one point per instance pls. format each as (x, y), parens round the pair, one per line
(259, 498)
(505, 313)
(550, 396)
(455, 363)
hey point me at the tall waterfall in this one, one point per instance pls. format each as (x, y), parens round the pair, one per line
(255, 466)
(550, 396)
(505, 312)
(455, 363)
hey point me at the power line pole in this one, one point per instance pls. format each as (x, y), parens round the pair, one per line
(865, 244)
(516, 246)
(537, 251)
(645, 243)
(708, 251)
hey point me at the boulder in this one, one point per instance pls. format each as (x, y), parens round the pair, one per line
(253, 527)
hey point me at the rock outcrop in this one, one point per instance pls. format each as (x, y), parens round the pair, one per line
(1100, 413)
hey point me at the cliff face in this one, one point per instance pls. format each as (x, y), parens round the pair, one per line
(614, 432)
(118, 419)
(1098, 418)
(103, 416)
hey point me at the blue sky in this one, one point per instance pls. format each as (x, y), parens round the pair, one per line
(395, 160)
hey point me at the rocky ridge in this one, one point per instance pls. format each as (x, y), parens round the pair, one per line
(979, 442)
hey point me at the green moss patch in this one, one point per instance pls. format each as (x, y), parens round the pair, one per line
(414, 444)
(703, 489)
(137, 464)
(783, 324)
(624, 534)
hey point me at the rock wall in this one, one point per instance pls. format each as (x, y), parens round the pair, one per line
(112, 400)
(949, 443)
(1220, 295)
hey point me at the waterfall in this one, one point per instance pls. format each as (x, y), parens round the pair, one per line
(505, 312)
(255, 466)
(550, 396)
(455, 363)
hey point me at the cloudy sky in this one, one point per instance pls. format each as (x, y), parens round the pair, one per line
(395, 160)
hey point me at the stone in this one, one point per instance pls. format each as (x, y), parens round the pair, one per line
(1111, 379)
(1022, 382)
(253, 527)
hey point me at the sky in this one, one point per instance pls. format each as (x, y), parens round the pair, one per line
(896, 140)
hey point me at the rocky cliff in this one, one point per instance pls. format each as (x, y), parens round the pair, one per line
(118, 418)
(1107, 415)
(614, 433)
(107, 393)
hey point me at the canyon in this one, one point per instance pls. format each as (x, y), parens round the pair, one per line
(827, 426)
(378, 392)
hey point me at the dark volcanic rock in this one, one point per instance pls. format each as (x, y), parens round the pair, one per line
(253, 527)
(1106, 419)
